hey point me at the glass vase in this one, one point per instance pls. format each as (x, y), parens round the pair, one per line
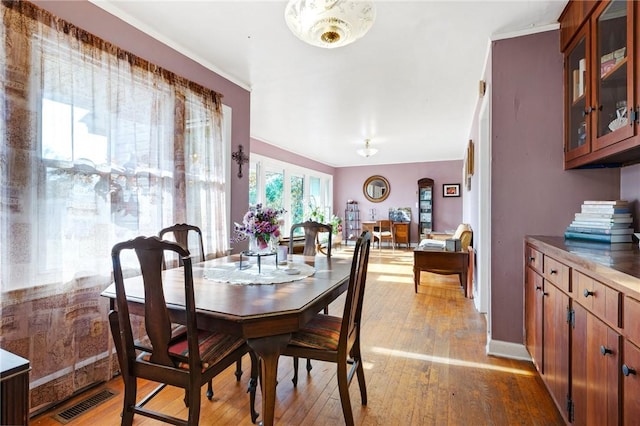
(261, 244)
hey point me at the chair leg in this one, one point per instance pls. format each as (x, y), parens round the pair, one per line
(357, 357)
(130, 383)
(210, 390)
(309, 367)
(129, 400)
(295, 371)
(194, 407)
(343, 387)
(253, 384)
(238, 372)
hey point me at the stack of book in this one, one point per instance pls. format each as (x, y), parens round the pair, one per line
(602, 221)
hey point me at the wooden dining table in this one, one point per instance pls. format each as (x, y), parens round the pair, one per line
(265, 315)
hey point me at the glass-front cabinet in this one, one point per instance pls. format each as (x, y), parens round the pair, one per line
(599, 76)
(425, 206)
(576, 93)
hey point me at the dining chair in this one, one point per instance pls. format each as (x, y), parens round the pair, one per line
(384, 232)
(188, 360)
(180, 233)
(312, 243)
(334, 339)
(311, 247)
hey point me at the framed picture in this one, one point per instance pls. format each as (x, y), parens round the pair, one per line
(451, 190)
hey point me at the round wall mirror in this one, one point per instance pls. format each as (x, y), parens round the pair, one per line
(376, 189)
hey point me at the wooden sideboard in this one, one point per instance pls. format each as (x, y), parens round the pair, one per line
(14, 389)
(581, 328)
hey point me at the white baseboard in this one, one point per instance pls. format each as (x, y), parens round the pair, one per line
(507, 350)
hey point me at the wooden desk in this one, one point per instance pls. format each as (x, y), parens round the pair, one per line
(265, 315)
(370, 225)
(439, 261)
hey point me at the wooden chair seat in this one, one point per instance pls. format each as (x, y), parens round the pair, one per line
(322, 332)
(213, 347)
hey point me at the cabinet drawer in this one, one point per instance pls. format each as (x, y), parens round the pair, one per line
(631, 322)
(557, 273)
(533, 258)
(603, 301)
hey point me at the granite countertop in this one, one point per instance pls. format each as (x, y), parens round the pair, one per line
(617, 264)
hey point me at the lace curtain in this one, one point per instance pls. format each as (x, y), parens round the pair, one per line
(98, 146)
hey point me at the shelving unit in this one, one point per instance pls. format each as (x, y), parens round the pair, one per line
(351, 228)
(425, 206)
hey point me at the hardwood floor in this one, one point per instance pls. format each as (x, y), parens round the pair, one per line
(425, 364)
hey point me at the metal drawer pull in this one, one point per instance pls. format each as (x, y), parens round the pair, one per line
(628, 370)
(604, 351)
(553, 271)
(588, 293)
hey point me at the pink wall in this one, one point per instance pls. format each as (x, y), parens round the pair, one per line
(263, 148)
(95, 20)
(630, 191)
(403, 180)
(531, 193)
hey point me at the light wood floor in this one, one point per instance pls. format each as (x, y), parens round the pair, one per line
(425, 364)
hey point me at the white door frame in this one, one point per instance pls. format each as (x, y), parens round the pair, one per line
(482, 291)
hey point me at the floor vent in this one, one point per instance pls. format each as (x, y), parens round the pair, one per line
(68, 414)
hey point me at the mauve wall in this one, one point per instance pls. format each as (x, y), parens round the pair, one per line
(263, 148)
(530, 192)
(630, 191)
(403, 180)
(95, 20)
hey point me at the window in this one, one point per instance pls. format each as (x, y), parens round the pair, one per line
(297, 189)
(121, 148)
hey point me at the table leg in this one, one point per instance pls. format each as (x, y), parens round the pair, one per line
(416, 278)
(463, 281)
(268, 349)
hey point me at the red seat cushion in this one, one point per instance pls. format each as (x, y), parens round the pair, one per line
(322, 332)
(212, 346)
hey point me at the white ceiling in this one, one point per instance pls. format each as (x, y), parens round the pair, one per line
(410, 84)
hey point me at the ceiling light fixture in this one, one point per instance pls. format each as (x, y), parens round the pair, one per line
(367, 152)
(329, 23)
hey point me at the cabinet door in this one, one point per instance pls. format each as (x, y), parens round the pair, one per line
(577, 97)
(595, 370)
(631, 384)
(533, 316)
(425, 206)
(612, 31)
(556, 343)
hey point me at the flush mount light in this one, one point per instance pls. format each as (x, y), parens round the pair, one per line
(329, 23)
(367, 151)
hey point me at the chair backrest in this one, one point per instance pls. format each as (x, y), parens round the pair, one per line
(465, 234)
(311, 230)
(180, 233)
(384, 225)
(150, 253)
(350, 329)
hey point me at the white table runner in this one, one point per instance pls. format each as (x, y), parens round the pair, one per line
(270, 274)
